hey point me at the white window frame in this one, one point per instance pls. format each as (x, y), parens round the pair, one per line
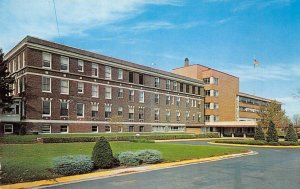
(120, 108)
(121, 89)
(44, 59)
(67, 128)
(12, 128)
(82, 92)
(95, 66)
(44, 126)
(131, 111)
(157, 82)
(95, 108)
(95, 91)
(96, 127)
(78, 116)
(23, 60)
(67, 109)
(49, 84)
(80, 63)
(108, 92)
(175, 86)
(168, 84)
(67, 63)
(109, 128)
(141, 97)
(46, 115)
(156, 113)
(68, 87)
(120, 73)
(156, 95)
(107, 72)
(129, 92)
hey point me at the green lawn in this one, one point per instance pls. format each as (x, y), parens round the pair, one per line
(26, 162)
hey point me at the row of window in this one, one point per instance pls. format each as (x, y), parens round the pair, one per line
(64, 66)
(80, 110)
(211, 105)
(212, 93)
(211, 80)
(17, 64)
(211, 118)
(251, 101)
(245, 109)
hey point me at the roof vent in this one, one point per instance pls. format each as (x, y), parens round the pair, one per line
(186, 62)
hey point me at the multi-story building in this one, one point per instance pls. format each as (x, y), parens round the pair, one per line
(227, 110)
(61, 89)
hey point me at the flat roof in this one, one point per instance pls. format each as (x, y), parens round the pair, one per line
(255, 97)
(35, 40)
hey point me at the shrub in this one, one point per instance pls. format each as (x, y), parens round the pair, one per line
(129, 158)
(71, 165)
(259, 134)
(142, 140)
(149, 156)
(272, 135)
(291, 134)
(102, 154)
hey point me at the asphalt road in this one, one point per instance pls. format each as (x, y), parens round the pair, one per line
(271, 168)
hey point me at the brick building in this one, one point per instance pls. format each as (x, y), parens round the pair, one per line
(61, 89)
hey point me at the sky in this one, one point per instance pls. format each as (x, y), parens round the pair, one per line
(222, 34)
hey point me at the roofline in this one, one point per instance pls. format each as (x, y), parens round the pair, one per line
(256, 97)
(208, 68)
(38, 41)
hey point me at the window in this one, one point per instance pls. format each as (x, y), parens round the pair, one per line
(94, 110)
(131, 113)
(178, 101)
(64, 110)
(175, 88)
(64, 129)
(156, 115)
(193, 89)
(46, 60)
(168, 116)
(46, 128)
(94, 129)
(23, 58)
(216, 81)
(187, 88)
(120, 111)
(95, 70)
(156, 98)
(46, 84)
(177, 116)
(107, 92)
(216, 118)
(199, 104)
(199, 117)
(80, 66)
(206, 80)
(131, 77)
(141, 129)
(46, 108)
(181, 87)
(95, 91)
(141, 79)
(107, 109)
(131, 128)
(168, 100)
(141, 97)
(120, 73)
(199, 91)
(141, 113)
(80, 110)
(216, 106)
(216, 93)
(131, 96)
(107, 72)
(194, 103)
(207, 92)
(207, 118)
(64, 87)
(187, 115)
(80, 87)
(168, 84)
(107, 129)
(22, 84)
(187, 103)
(64, 63)
(156, 82)
(120, 93)
(207, 105)
(8, 128)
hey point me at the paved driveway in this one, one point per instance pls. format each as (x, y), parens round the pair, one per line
(271, 168)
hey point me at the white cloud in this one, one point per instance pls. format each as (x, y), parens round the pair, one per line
(32, 17)
(257, 4)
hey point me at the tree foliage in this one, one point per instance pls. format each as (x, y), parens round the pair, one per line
(5, 80)
(116, 121)
(259, 133)
(291, 134)
(272, 112)
(272, 135)
(102, 155)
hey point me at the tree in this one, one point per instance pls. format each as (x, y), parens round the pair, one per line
(102, 155)
(116, 121)
(5, 80)
(291, 134)
(259, 133)
(272, 112)
(296, 119)
(272, 135)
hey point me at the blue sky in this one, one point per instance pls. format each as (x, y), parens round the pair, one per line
(222, 34)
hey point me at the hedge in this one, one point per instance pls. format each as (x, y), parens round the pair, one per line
(258, 142)
(130, 158)
(129, 138)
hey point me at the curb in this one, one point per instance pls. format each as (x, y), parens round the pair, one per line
(120, 172)
(256, 146)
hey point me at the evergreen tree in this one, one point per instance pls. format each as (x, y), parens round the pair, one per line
(259, 133)
(291, 134)
(5, 80)
(102, 154)
(272, 135)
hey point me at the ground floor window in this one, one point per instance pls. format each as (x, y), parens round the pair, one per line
(107, 129)
(141, 129)
(46, 128)
(8, 129)
(131, 129)
(158, 128)
(176, 128)
(95, 129)
(64, 129)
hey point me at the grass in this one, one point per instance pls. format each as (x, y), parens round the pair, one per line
(28, 162)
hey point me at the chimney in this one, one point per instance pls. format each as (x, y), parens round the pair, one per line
(186, 62)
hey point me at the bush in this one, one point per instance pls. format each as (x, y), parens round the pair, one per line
(142, 140)
(149, 156)
(71, 165)
(259, 134)
(129, 158)
(291, 134)
(102, 154)
(272, 135)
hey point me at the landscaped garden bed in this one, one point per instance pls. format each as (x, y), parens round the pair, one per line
(258, 142)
